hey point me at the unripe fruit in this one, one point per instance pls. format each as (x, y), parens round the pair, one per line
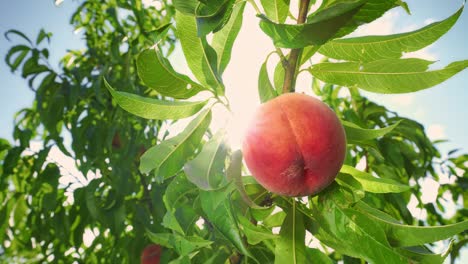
(295, 145)
(151, 254)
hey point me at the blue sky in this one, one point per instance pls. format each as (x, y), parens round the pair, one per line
(442, 109)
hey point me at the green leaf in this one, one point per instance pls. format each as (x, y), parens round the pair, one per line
(187, 7)
(170, 221)
(290, 247)
(278, 77)
(22, 51)
(42, 35)
(354, 133)
(318, 256)
(216, 21)
(183, 245)
(371, 48)
(170, 155)
(207, 169)
(178, 191)
(157, 34)
(276, 10)
(374, 184)
(18, 33)
(386, 76)
(217, 207)
(370, 11)
(320, 27)
(339, 230)
(234, 174)
(255, 234)
(274, 220)
(157, 73)
(177, 199)
(405, 235)
(154, 108)
(201, 57)
(266, 91)
(223, 40)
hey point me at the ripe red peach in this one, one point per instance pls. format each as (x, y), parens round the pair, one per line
(295, 145)
(151, 254)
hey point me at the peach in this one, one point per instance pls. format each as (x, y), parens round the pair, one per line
(151, 254)
(295, 145)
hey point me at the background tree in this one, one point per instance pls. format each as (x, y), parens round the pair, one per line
(186, 192)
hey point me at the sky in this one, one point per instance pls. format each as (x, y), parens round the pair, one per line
(441, 109)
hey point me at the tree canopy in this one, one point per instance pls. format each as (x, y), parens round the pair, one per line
(110, 108)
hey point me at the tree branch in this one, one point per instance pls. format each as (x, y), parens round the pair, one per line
(290, 71)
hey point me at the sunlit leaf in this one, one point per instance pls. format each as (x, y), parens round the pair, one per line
(223, 40)
(371, 48)
(370, 11)
(213, 23)
(207, 169)
(201, 57)
(266, 91)
(186, 6)
(154, 108)
(354, 133)
(405, 235)
(374, 184)
(320, 27)
(276, 10)
(386, 76)
(170, 155)
(157, 73)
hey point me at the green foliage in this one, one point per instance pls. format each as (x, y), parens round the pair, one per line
(189, 192)
(387, 75)
(372, 48)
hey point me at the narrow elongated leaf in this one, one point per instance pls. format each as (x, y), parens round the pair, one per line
(207, 169)
(234, 174)
(405, 235)
(217, 208)
(175, 199)
(319, 28)
(213, 23)
(157, 34)
(186, 6)
(318, 256)
(170, 155)
(359, 239)
(290, 247)
(154, 108)
(223, 40)
(370, 11)
(278, 77)
(373, 184)
(422, 255)
(183, 245)
(21, 51)
(354, 133)
(255, 234)
(276, 10)
(157, 73)
(266, 91)
(386, 76)
(371, 48)
(201, 57)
